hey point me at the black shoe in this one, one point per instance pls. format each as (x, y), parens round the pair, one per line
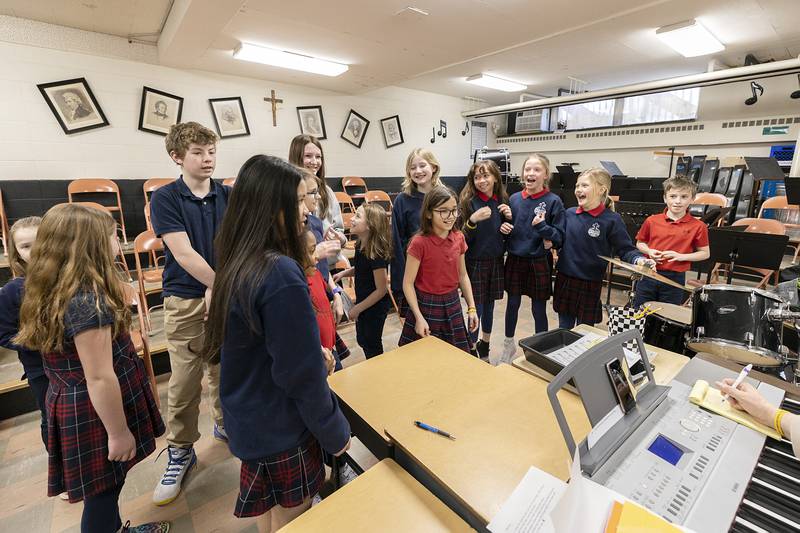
(482, 347)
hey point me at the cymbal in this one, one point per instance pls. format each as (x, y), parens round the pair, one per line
(646, 272)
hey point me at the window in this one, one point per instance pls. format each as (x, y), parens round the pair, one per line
(598, 114)
(660, 107)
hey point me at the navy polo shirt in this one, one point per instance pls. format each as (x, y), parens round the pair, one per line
(10, 302)
(174, 208)
(365, 278)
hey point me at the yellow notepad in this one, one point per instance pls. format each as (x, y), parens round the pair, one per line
(710, 398)
(637, 519)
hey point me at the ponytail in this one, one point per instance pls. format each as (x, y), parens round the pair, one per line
(609, 203)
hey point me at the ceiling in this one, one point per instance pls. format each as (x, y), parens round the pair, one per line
(537, 42)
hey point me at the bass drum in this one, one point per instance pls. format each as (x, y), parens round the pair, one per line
(731, 322)
(668, 327)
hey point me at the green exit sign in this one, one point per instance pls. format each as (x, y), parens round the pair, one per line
(775, 130)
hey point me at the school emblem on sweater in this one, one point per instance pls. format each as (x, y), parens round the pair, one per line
(540, 210)
(594, 230)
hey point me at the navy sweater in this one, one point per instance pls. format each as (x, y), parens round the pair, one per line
(273, 383)
(586, 237)
(405, 223)
(314, 224)
(10, 302)
(485, 240)
(526, 240)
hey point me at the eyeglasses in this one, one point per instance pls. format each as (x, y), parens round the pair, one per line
(447, 213)
(312, 193)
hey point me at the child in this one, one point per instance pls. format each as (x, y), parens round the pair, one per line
(373, 252)
(592, 229)
(102, 416)
(538, 217)
(673, 239)
(435, 269)
(21, 238)
(483, 203)
(186, 214)
(321, 302)
(279, 412)
(422, 175)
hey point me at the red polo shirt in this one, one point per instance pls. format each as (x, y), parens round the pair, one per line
(684, 236)
(438, 258)
(322, 308)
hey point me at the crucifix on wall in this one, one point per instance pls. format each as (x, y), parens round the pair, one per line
(274, 101)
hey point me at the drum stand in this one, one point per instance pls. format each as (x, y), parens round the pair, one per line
(635, 278)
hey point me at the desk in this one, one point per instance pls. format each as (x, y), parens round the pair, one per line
(384, 498)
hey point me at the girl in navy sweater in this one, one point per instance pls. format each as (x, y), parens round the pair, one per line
(422, 175)
(592, 229)
(484, 208)
(537, 224)
(279, 412)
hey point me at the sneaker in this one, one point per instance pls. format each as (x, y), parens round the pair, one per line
(181, 460)
(64, 496)
(509, 350)
(316, 500)
(346, 474)
(220, 434)
(482, 347)
(150, 527)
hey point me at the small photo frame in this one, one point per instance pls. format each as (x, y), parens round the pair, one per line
(74, 105)
(229, 117)
(355, 129)
(392, 132)
(311, 121)
(159, 111)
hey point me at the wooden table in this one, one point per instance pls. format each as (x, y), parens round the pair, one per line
(384, 498)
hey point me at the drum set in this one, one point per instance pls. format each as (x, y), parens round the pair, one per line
(741, 324)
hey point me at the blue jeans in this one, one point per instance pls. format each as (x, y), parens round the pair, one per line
(650, 290)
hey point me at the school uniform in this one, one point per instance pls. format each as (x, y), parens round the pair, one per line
(436, 287)
(326, 321)
(406, 219)
(32, 364)
(579, 281)
(485, 249)
(370, 322)
(274, 379)
(684, 236)
(174, 208)
(77, 439)
(527, 269)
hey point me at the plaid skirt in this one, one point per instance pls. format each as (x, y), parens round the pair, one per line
(286, 479)
(77, 440)
(578, 298)
(529, 276)
(342, 351)
(445, 319)
(486, 277)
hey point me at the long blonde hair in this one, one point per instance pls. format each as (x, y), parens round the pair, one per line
(544, 161)
(17, 264)
(73, 254)
(378, 242)
(600, 178)
(408, 184)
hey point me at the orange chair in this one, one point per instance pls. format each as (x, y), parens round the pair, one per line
(355, 181)
(139, 338)
(755, 225)
(379, 197)
(151, 185)
(711, 198)
(788, 214)
(148, 224)
(99, 186)
(229, 181)
(345, 202)
(147, 243)
(347, 220)
(4, 232)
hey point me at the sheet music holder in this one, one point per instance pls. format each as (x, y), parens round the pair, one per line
(792, 190)
(612, 168)
(764, 168)
(737, 247)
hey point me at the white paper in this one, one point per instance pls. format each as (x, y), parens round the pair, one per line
(602, 427)
(527, 509)
(584, 506)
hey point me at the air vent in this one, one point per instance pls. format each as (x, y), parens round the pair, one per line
(760, 122)
(533, 138)
(640, 131)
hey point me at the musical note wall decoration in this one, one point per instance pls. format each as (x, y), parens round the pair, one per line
(442, 129)
(433, 138)
(466, 128)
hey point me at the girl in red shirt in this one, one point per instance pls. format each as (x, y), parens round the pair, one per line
(322, 306)
(435, 269)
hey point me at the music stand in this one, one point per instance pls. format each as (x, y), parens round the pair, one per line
(792, 190)
(612, 168)
(736, 247)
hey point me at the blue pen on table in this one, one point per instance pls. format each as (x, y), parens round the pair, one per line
(743, 374)
(426, 427)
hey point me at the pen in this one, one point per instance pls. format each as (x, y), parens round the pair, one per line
(426, 427)
(743, 374)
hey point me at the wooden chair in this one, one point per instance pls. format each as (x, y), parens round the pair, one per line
(147, 222)
(230, 182)
(151, 185)
(754, 225)
(139, 337)
(4, 232)
(345, 202)
(354, 181)
(713, 199)
(379, 197)
(788, 215)
(347, 220)
(147, 243)
(99, 186)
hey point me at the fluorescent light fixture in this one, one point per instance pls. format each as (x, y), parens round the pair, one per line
(279, 58)
(689, 39)
(484, 80)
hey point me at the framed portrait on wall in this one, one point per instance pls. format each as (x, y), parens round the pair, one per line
(73, 104)
(392, 133)
(229, 117)
(355, 129)
(312, 121)
(159, 111)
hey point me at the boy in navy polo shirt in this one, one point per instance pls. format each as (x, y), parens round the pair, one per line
(674, 239)
(186, 214)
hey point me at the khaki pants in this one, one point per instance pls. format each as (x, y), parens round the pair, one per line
(278, 516)
(185, 329)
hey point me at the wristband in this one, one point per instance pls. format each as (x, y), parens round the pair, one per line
(778, 416)
(337, 290)
(470, 225)
(471, 310)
